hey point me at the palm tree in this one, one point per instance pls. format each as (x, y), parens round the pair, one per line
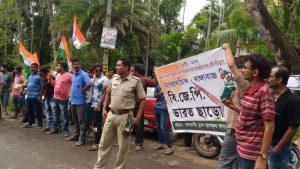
(92, 16)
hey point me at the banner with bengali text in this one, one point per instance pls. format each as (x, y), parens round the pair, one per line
(193, 87)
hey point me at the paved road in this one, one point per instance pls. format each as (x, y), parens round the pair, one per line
(27, 149)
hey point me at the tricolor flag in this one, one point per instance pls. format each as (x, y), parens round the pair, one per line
(27, 58)
(64, 52)
(79, 40)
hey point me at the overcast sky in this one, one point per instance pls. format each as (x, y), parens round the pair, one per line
(191, 9)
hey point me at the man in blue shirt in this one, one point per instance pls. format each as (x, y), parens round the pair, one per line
(161, 114)
(33, 97)
(81, 83)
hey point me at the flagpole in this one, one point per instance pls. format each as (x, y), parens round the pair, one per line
(54, 60)
(32, 27)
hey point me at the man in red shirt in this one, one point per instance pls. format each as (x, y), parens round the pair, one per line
(255, 125)
(135, 70)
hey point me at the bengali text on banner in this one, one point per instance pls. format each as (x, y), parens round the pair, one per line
(193, 88)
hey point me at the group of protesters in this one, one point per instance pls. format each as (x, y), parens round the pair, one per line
(110, 104)
(263, 118)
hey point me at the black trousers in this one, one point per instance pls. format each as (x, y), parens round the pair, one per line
(139, 135)
(97, 123)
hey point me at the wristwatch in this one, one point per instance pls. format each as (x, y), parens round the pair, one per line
(263, 156)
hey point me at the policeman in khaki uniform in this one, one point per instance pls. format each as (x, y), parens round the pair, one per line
(123, 92)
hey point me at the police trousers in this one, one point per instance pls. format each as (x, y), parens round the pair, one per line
(113, 130)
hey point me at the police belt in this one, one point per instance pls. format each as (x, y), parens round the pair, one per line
(120, 112)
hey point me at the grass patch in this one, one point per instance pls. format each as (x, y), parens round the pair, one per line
(10, 106)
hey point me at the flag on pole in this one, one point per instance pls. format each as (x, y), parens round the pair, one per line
(27, 58)
(63, 51)
(79, 40)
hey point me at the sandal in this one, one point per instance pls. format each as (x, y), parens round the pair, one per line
(169, 151)
(158, 147)
(93, 148)
(138, 148)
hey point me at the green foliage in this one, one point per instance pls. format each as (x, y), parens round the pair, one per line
(245, 30)
(174, 46)
(168, 40)
(169, 12)
(263, 49)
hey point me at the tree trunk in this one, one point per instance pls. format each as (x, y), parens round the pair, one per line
(51, 7)
(284, 52)
(43, 33)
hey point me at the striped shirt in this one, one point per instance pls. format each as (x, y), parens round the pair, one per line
(257, 106)
(34, 86)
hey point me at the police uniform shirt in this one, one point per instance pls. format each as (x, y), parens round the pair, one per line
(125, 93)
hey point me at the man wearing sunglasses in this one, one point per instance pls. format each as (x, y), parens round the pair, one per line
(100, 83)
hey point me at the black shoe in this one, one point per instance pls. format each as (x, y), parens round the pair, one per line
(71, 139)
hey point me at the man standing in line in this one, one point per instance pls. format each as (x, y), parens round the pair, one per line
(100, 83)
(16, 90)
(89, 109)
(7, 86)
(122, 94)
(228, 155)
(255, 125)
(62, 85)
(135, 70)
(48, 96)
(81, 83)
(287, 119)
(33, 97)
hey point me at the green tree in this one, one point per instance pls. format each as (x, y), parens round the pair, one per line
(283, 49)
(92, 15)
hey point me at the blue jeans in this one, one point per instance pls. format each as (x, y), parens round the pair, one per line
(18, 102)
(162, 130)
(228, 155)
(279, 160)
(5, 97)
(60, 106)
(33, 106)
(245, 163)
(48, 102)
